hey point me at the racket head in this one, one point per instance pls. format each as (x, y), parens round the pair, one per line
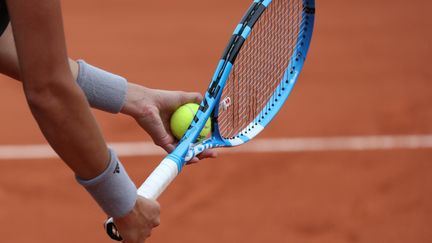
(273, 35)
(217, 100)
(264, 64)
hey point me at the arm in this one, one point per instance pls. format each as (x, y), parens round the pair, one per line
(149, 107)
(59, 106)
(56, 102)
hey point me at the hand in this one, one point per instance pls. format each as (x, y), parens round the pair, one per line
(152, 110)
(136, 226)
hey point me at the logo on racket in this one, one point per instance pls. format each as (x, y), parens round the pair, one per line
(226, 102)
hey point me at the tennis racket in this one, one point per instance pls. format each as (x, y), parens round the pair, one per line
(254, 77)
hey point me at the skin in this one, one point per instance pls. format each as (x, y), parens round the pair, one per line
(151, 108)
(36, 55)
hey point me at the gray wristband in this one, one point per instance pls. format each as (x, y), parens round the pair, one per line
(113, 190)
(104, 90)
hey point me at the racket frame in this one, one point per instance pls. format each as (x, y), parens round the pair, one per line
(173, 163)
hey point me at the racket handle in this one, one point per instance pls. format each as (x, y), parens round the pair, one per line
(152, 187)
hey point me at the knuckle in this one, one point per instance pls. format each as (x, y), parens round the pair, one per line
(164, 140)
(148, 111)
(159, 142)
(199, 96)
(157, 208)
(156, 222)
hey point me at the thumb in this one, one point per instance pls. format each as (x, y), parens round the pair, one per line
(152, 123)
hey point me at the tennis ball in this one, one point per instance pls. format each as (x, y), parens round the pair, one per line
(182, 118)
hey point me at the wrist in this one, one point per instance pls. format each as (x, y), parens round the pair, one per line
(104, 90)
(137, 97)
(113, 190)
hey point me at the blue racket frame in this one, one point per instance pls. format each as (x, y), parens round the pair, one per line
(210, 104)
(172, 164)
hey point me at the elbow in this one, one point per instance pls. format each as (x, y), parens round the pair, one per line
(37, 99)
(43, 94)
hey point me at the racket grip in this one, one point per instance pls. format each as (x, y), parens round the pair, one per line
(152, 187)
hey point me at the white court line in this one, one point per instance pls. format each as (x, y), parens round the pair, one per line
(262, 145)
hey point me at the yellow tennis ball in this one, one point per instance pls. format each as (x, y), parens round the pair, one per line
(182, 118)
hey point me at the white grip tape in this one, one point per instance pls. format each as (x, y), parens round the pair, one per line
(159, 179)
(155, 184)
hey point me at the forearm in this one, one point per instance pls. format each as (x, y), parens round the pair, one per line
(103, 90)
(56, 102)
(68, 125)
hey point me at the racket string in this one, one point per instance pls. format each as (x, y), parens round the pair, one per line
(260, 65)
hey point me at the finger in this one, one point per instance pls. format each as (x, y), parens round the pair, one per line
(209, 153)
(188, 97)
(153, 124)
(156, 222)
(194, 160)
(169, 147)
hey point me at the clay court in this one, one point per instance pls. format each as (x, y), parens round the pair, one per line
(367, 75)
